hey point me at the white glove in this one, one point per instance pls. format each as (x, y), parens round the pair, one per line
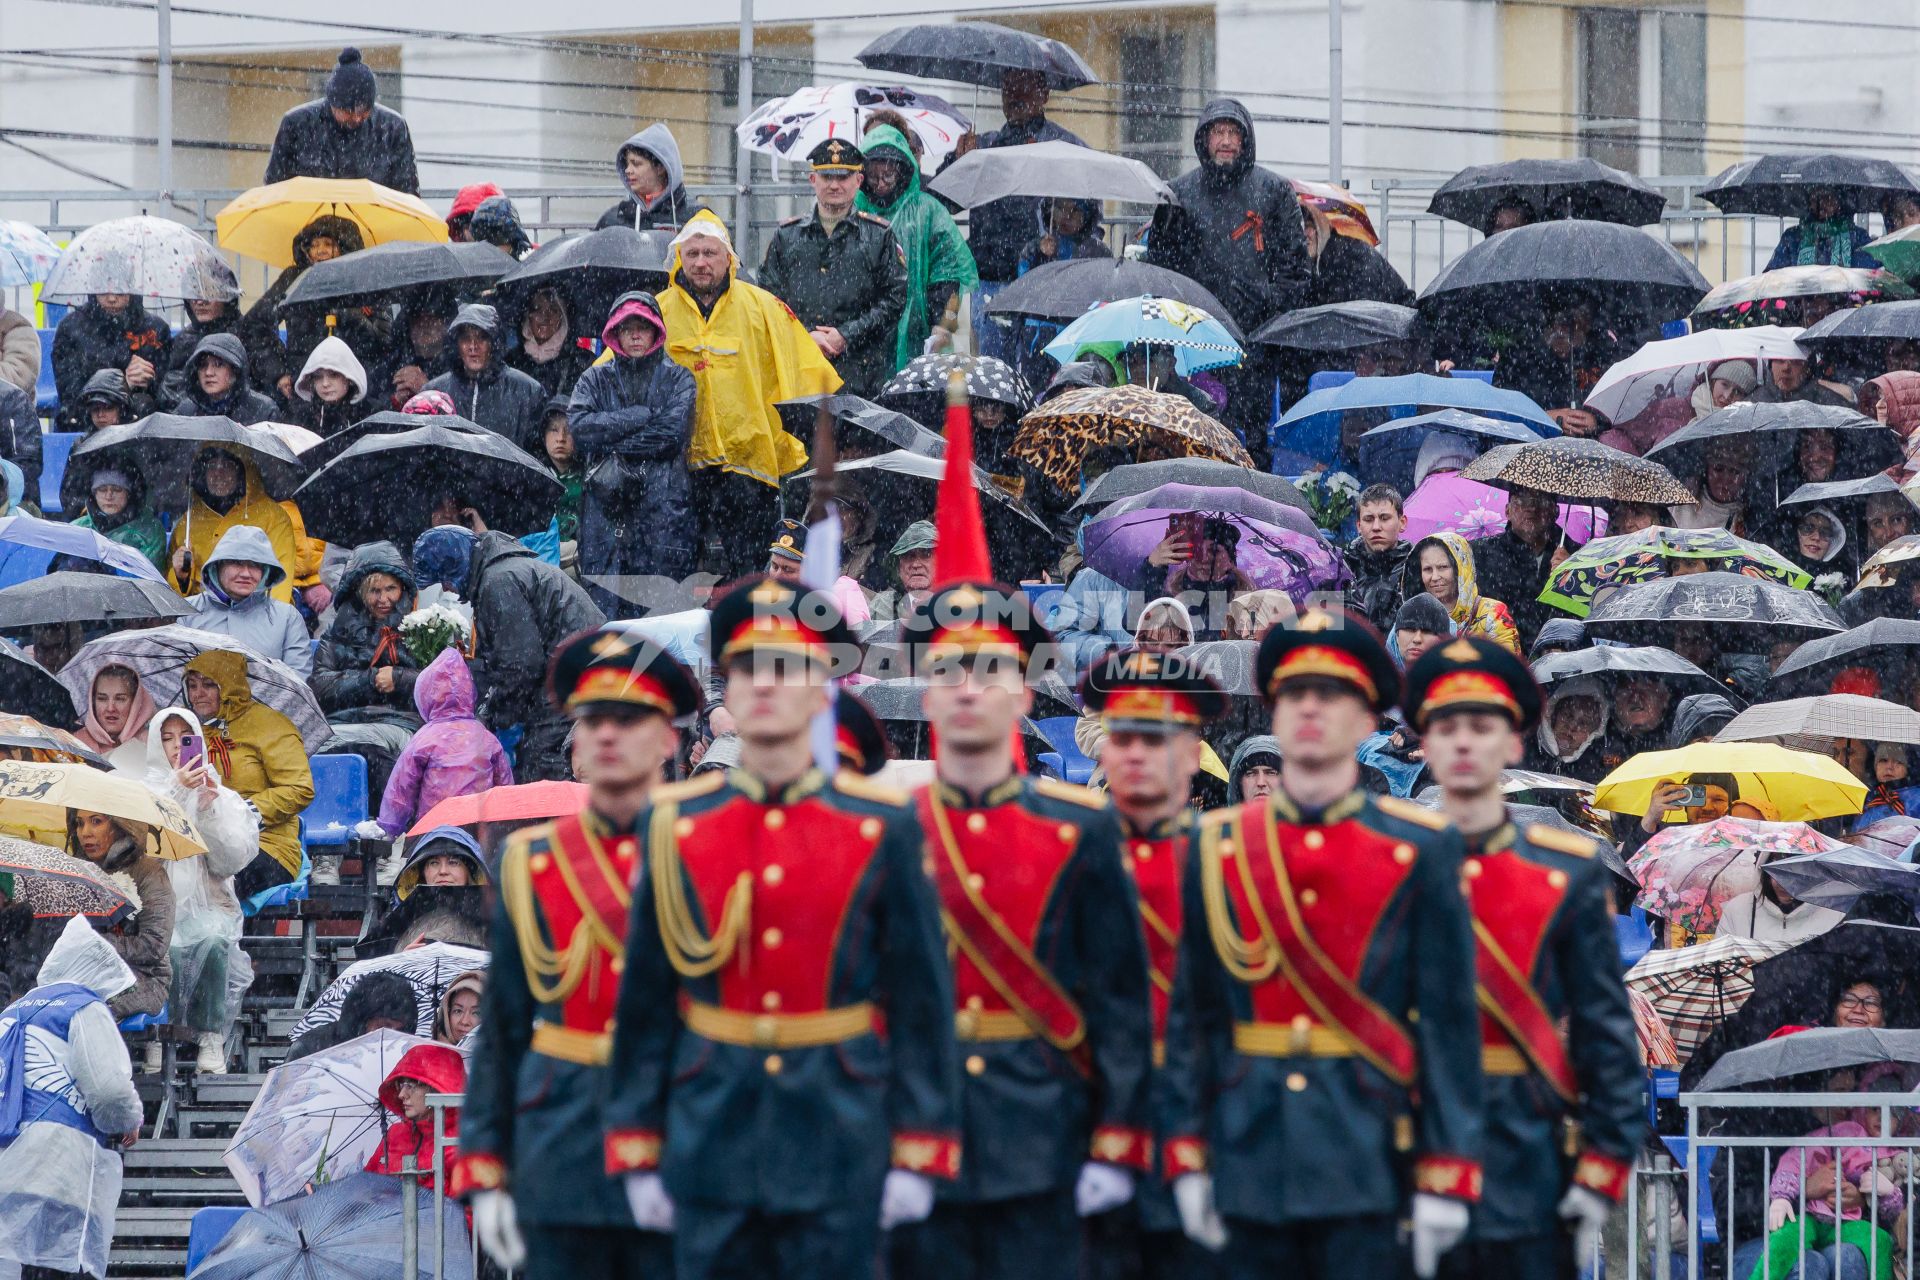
(649, 1202)
(1101, 1187)
(905, 1198)
(1193, 1197)
(1438, 1224)
(1587, 1211)
(370, 830)
(498, 1227)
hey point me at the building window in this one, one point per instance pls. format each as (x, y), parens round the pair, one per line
(1643, 89)
(1156, 116)
(1683, 92)
(1610, 87)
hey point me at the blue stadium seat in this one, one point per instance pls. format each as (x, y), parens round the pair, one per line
(1709, 1222)
(339, 803)
(139, 1022)
(46, 393)
(1058, 731)
(1633, 937)
(209, 1227)
(55, 448)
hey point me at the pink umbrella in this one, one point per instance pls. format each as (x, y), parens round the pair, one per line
(1686, 872)
(1445, 503)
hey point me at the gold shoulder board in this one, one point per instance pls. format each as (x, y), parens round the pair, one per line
(1560, 841)
(1085, 797)
(1408, 811)
(873, 217)
(848, 782)
(699, 785)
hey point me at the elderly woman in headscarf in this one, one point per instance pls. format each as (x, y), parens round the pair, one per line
(550, 352)
(119, 848)
(119, 708)
(1571, 731)
(1442, 566)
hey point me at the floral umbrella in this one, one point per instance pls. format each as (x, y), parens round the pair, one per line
(1447, 502)
(24, 738)
(1277, 546)
(27, 254)
(144, 256)
(1635, 557)
(1685, 873)
(1773, 297)
(788, 128)
(1153, 425)
(55, 885)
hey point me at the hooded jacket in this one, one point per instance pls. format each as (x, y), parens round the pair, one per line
(109, 386)
(443, 1070)
(571, 353)
(204, 524)
(264, 351)
(452, 754)
(311, 144)
(745, 355)
(474, 982)
(673, 206)
(1378, 580)
(522, 609)
(1259, 744)
(204, 903)
(19, 351)
(259, 754)
(135, 526)
(241, 402)
(264, 625)
(20, 434)
(997, 230)
(1582, 760)
(1700, 715)
(89, 340)
(503, 400)
(632, 420)
(315, 414)
(126, 749)
(1235, 230)
(440, 842)
(1090, 242)
(1472, 614)
(362, 328)
(939, 263)
(354, 645)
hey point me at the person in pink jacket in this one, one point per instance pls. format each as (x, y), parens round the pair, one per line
(453, 754)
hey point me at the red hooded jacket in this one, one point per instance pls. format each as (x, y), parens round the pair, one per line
(443, 1070)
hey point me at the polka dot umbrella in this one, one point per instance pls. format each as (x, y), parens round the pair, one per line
(144, 256)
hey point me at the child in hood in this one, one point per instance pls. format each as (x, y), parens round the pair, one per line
(453, 754)
(423, 1070)
(331, 392)
(1068, 229)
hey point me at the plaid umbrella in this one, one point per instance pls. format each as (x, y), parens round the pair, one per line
(56, 885)
(1656, 1042)
(1638, 556)
(1570, 467)
(1685, 873)
(1811, 724)
(1055, 437)
(1695, 989)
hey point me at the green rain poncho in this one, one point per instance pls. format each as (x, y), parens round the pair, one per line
(936, 251)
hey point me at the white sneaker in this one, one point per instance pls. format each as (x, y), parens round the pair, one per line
(326, 870)
(388, 869)
(211, 1060)
(151, 1065)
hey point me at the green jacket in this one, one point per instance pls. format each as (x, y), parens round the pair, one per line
(143, 533)
(937, 253)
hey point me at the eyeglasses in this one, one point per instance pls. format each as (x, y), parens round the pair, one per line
(1851, 1001)
(409, 1086)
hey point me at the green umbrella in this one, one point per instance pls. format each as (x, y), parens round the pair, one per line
(1898, 252)
(1636, 557)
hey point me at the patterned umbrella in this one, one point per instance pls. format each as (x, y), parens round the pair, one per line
(1811, 724)
(1685, 873)
(1606, 563)
(1447, 502)
(1743, 611)
(790, 127)
(1199, 341)
(1878, 571)
(56, 885)
(1343, 209)
(1571, 467)
(1890, 837)
(1155, 426)
(920, 389)
(1657, 1048)
(429, 970)
(28, 739)
(39, 799)
(1774, 297)
(27, 254)
(1695, 989)
(144, 256)
(1898, 252)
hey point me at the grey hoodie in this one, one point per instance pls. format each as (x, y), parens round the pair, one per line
(1258, 744)
(241, 403)
(503, 400)
(673, 206)
(265, 626)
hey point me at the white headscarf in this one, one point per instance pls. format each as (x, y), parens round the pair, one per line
(1442, 451)
(1578, 687)
(83, 956)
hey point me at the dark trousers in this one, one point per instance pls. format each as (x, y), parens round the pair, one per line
(561, 1252)
(738, 512)
(264, 872)
(1120, 1248)
(1548, 1257)
(711, 1242)
(1325, 1249)
(1030, 1238)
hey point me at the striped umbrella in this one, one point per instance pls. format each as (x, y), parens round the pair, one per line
(1695, 989)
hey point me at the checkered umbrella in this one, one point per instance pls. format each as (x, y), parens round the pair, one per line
(1811, 724)
(1199, 341)
(1695, 989)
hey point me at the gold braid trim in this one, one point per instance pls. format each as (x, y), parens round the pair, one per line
(1166, 935)
(692, 953)
(552, 976)
(1245, 962)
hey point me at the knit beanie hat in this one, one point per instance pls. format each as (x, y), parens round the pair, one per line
(352, 84)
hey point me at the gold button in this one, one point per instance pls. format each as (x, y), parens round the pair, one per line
(1557, 879)
(539, 862)
(975, 1003)
(770, 939)
(773, 874)
(966, 1025)
(774, 1065)
(1226, 848)
(625, 847)
(926, 865)
(775, 819)
(1146, 853)
(771, 1000)
(1068, 833)
(976, 1065)
(618, 964)
(977, 823)
(1314, 839)
(976, 882)
(1143, 850)
(1308, 897)
(1473, 869)
(683, 828)
(1403, 854)
(870, 829)
(1301, 1022)
(1297, 1082)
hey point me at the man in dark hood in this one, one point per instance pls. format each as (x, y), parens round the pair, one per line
(418, 349)
(345, 134)
(218, 386)
(109, 331)
(325, 238)
(483, 388)
(649, 167)
(1698, 717)
(496, 222)
(209, 316)
(104, 401)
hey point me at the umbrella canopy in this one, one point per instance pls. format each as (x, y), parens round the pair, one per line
(1391, 451)
(1741, 611)
(1623, 271)
(1800, 786)
(1345, 211)
(1312, 426)
(1892, 837)
(1841, 877)
(1339, 326)
(1199, 341)
(37, 798)
(55, 884)
(1774, 297)
(1153, 425)
(1779, 183)
(1852, 493)
(1817, 1049)
(29, 689)
(385, 423)
(975, 53)
(1279, 547)
(1672, 367)
(144, 256)
(1872, 323)
(381, 269)
(900, 700)
(920, 389)
(28, 738)
(1605, 563)
(1897, 251)
(28, 546)
(1883, 566)
(1695, 989)
(263, 222)
(429, 970)
(1686, 873)
(1231, 664)
(1067, 290)
(1576, 188)
(351, 1228)
(1864, 446)
(1869, 645)
(1572, 467)
(592, 269)
(159, 656)
(1615, 661)
(385, 486)
(919, 465)
(68, 596)
(789, 128)
(1138, 477)
(891, 426)
(27, 254)
(164, 445)
(1446, 502)
(1811, 724)
(1048, 169)
(526, 802)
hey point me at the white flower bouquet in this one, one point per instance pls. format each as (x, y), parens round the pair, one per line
(427, 631)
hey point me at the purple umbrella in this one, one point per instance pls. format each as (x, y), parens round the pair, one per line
(1446, 503)
(1279, 546)
(29, 544)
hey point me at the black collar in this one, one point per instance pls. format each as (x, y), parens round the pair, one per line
(794, 792)
(1298, 814)
(958, 798)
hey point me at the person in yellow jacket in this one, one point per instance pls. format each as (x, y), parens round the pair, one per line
(226, 491)
(310, 554)
(745, 350)
(259, 754)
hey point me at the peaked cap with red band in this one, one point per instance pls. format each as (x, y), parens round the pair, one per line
(607, 668)
(1137, 689)
(858, 734)
(1472, 673)
(763, 614)
(1330, 645)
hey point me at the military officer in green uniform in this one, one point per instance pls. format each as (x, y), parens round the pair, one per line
(1564, 1115)
(841, 271)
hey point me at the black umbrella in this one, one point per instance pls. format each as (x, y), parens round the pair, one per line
(1745, 615)
(87, 597)
(1838, 492)
(1861, 335)
(919, 465)
(1622, 661)
(1339, 326)
(399, 264)
(383, 486)
(1624, 271)
(1817, 1049)
(592, 270)
(1068, 290)
(385, 423)
(920, 389)
(1873, 644)
(975, 53)
(1578, 188)
(1840, 877)
(1865, 446)
(1132, 478)
(889, 425)
(1778, 184)
(163, 447)
(29, 689)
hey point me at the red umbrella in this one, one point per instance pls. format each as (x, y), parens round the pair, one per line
(506, 804)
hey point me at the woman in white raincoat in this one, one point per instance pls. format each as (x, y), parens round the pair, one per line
(67, 1106)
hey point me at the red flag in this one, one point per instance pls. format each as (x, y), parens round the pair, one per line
(960, 537)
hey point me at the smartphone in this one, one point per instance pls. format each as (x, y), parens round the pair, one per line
(193, 750)
(1189, 525)
(1694, 797)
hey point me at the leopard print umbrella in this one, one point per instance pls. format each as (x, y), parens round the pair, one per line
(1055, 437)
(1579, 470)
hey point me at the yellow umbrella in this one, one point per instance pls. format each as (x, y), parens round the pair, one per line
(262, 223)
(1797, 785)
(36, 798)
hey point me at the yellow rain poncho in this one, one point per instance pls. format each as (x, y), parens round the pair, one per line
(202, 526)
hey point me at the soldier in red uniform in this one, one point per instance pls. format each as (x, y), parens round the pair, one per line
(530, 1131)
(784, 1077)
(1546, 959)
(1322, 1040)
(1050, 967)
(1153, 707)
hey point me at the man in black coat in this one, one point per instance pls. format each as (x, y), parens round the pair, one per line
(345, 134)
(483, 388)
(1377, 556)
(1514, 565)
(109, 331)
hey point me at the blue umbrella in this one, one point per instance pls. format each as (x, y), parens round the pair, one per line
(1199, 341)
(348, 1229)
(27, 254)
(1312, 426)
(1388, 452)
(29, 544)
